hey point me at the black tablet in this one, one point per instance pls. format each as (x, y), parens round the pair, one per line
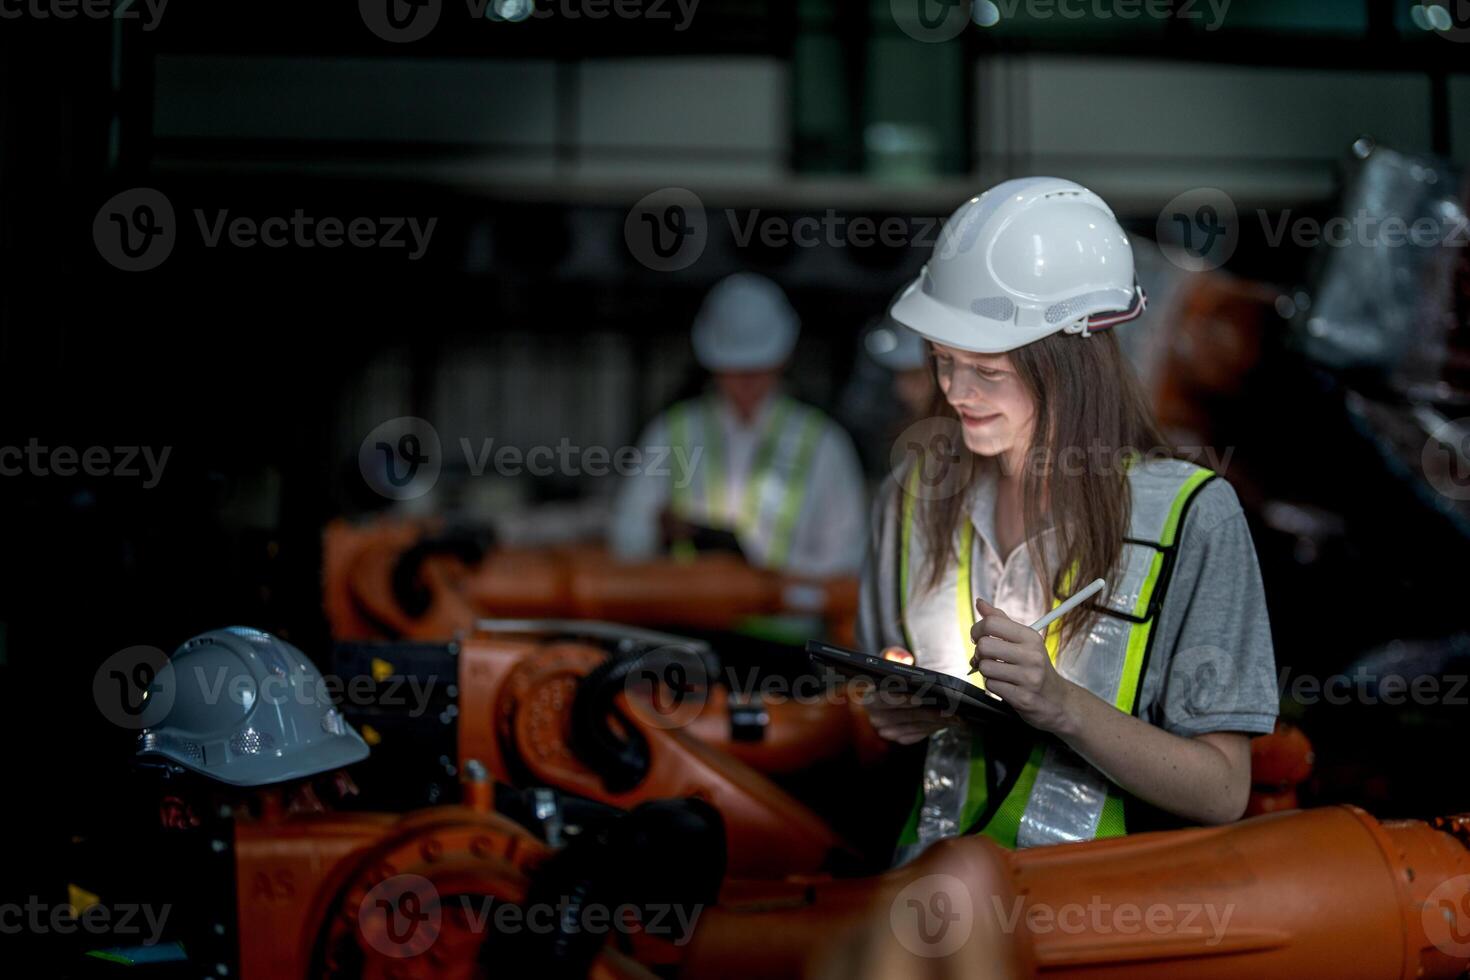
(971, 702)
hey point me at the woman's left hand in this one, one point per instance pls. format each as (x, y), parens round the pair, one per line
(1012, 658)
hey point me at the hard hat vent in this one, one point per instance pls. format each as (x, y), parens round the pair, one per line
(994, 308)
(251, 741)
(1070, 309)
(163, 743)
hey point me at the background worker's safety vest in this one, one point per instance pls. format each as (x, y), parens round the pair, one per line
(765, 515)
(1056, 796)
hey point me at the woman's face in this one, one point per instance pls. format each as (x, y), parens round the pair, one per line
(996, 410)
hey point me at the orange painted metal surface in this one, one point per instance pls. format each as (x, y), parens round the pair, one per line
(707, 592)
(1280, 762)
(520, 727)
(345, 544)
(307, 887)
(798, 734)
(301, 882)
(1326, 892)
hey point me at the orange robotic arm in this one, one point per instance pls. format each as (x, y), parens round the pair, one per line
(1326, 892)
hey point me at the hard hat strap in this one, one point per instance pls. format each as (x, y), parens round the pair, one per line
(1103, 321)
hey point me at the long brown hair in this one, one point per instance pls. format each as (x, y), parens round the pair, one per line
(1087, 398)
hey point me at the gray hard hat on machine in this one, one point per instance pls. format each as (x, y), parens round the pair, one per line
(248, 709)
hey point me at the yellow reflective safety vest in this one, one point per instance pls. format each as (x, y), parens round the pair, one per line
(1056, 796)
(775, 487)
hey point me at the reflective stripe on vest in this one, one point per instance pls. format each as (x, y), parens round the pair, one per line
(1058, 796)
(775, 487)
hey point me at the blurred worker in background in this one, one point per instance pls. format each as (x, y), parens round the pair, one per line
(768, 476)
(1051, 473)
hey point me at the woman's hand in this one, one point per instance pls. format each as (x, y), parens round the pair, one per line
(1012, 658)
(908, 719)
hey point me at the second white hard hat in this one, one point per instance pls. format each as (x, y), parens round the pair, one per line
(896, 347)
(745, 324)
(1024, 260)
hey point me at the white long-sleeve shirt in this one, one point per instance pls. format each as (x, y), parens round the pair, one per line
(806, 514)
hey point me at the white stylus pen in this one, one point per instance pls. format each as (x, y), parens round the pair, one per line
(1093, 588)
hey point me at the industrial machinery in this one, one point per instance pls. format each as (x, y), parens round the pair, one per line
(558, 711)
(1264, 897)
(391, 580)
(426, 895)
(1326, 892)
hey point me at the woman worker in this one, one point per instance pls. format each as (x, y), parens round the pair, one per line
(1139, 705)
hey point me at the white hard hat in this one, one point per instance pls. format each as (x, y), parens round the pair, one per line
(1026, 259)
(745, 324)
(896, 347)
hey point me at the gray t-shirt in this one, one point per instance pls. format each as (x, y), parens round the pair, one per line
(1211, 667)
